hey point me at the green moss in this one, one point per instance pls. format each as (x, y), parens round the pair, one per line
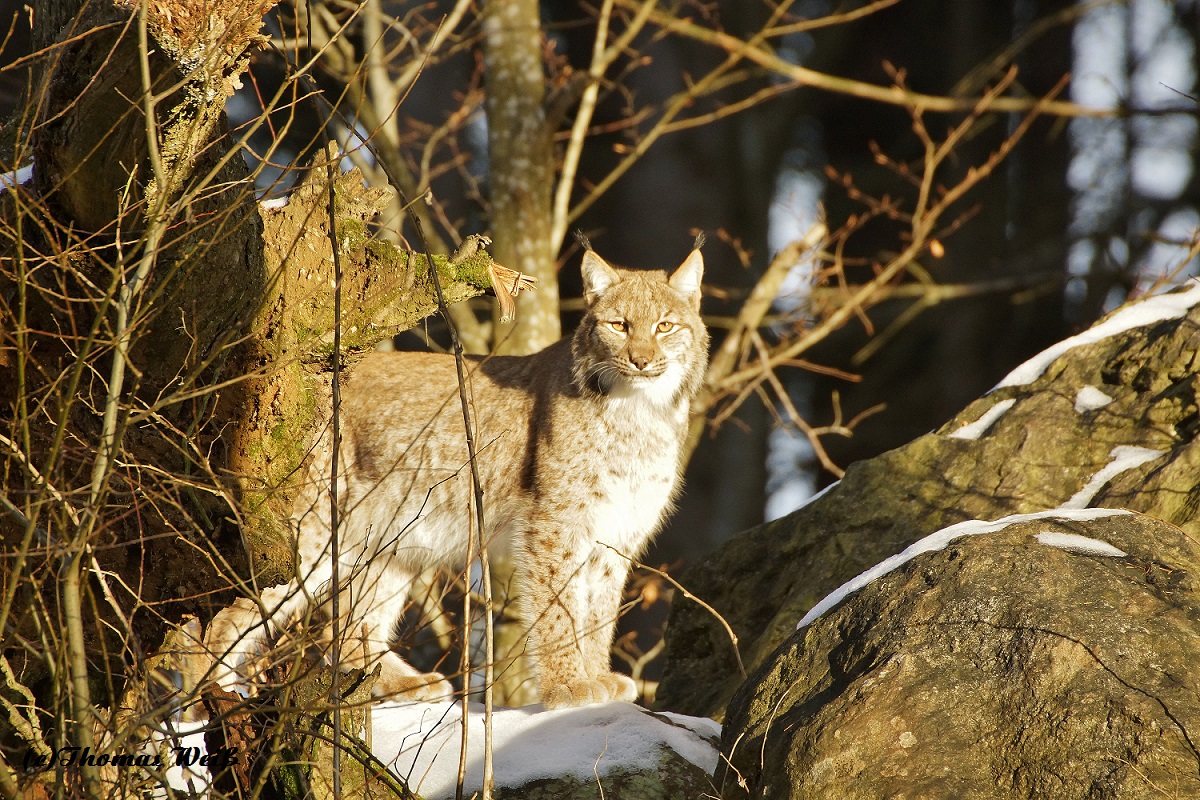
(386, 254)
(352, 234)
(390, 293)
(473, 270)
(280, 452)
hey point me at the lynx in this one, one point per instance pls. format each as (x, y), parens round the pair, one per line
(579, 456)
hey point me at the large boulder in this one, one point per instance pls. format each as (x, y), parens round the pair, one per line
(1107, 418)
(1049, 656)
(894, 654)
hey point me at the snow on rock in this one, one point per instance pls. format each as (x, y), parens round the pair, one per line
(1079, 544)
(974, 430)
(420, 743)
(1147, 312)
(1089, 398)
(938, 540)
(812, 498)
(1124, 457)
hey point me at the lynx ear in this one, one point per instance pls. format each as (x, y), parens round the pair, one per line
(597, 276)
(686, 278)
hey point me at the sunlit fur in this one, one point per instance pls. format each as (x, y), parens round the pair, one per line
(602, 355)
(580, 460)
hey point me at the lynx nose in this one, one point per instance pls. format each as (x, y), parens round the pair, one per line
(641, 362)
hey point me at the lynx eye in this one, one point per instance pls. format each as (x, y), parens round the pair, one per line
(618, 325)
(666, 326)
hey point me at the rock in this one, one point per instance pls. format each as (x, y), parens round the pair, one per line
(610, 750)
(1000, 665)
(1074, 426)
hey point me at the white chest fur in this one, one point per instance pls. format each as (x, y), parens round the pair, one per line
(639, 475)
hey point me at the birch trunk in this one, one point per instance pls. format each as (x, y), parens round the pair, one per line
(521, 160)
(521, 156)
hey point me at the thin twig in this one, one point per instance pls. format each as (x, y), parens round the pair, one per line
(794, 416)
(756, 306)
(336, 432)
(890, 95)
(602, 59)
(485, 567)
(733, 639)
(867, 293)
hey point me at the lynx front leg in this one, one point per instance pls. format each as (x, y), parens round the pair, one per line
(607, 571)
(560, 587)
(239, 636)
(369, 609)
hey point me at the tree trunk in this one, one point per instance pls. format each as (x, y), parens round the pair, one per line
(521, 156)
(521, 170)
(170, 338)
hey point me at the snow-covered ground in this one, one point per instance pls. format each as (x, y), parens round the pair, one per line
(420, 742)
(16, 177)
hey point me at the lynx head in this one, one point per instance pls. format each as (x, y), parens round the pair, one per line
(642, 336)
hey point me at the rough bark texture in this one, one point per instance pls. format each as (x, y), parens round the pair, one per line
(999, 666)
(521, 156)
(1036, 456)
(384, 291)
(229, 333)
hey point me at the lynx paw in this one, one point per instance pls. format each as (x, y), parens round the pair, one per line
(420, 687)
(613, 686)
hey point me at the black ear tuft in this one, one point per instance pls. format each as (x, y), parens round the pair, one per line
(583, 240)
(699, 241)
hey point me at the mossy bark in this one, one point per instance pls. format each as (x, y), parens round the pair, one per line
(229, 331)
(385, 290)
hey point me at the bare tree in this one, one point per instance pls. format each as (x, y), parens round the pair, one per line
(167, 340)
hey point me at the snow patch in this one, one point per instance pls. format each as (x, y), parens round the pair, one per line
(1089, 398)
(16, 178)
(1124, 457)
(1079, 544)
(420, 743)
(275, 202)
(1147, 312)
(974, 430)
(938, 541)
(808, 501)
(187, 735)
